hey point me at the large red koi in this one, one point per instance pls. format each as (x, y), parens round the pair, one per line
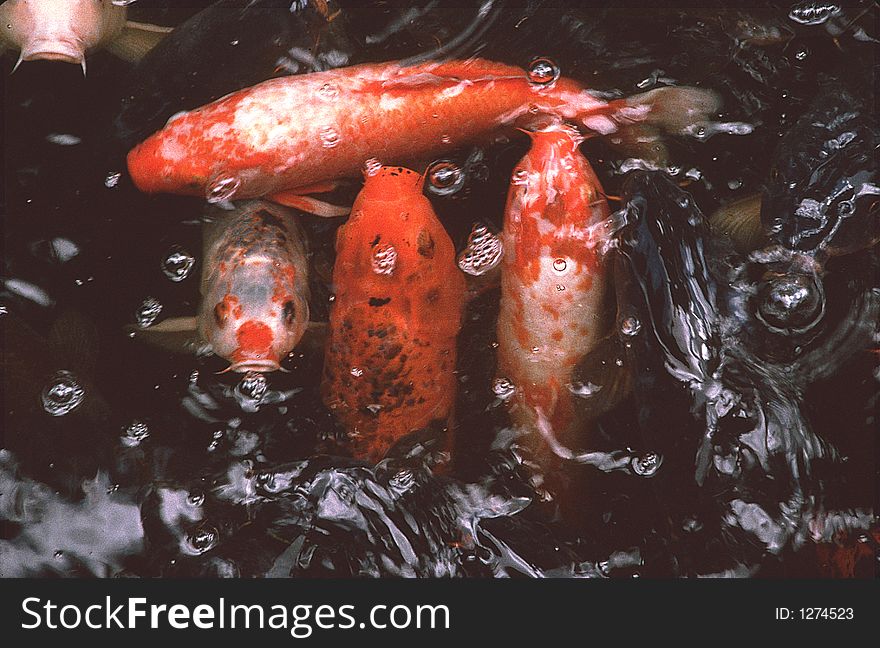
(553, 308)
(285, 136)
(391, 349)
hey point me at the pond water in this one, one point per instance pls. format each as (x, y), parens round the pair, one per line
(736, 430)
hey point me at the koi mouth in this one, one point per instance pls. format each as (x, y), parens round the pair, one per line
(52, 50)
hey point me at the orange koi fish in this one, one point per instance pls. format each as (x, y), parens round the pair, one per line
(255, 292)
(289, 136)
(391, 349)
(553, 303)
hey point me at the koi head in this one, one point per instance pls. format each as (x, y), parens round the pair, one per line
(253, 317)
(393, 230)
(60, 30)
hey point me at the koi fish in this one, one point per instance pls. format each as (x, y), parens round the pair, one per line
(289, 136)
(63, 30)
(553, 310)
(255, 295)
(391, 348)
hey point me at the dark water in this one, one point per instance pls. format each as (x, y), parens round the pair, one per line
(164, 467)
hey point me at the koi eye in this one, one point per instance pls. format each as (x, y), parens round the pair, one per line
(221, 314)
(289, 312)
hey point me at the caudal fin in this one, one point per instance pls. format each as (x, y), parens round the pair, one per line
(674, 109)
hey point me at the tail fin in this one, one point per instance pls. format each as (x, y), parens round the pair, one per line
(673, 108)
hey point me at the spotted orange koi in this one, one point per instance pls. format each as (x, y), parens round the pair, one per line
(391, 349)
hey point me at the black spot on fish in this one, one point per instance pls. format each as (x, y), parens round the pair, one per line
(425, 244)
(269, 219)
(289, 312)
(376, 301)
(376, 241)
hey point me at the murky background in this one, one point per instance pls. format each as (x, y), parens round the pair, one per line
(123, 459)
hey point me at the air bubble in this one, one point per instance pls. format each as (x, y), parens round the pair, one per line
(519, 177)
(647, 464)
(252, 387)
(483, 251)
(802, 53)
(630, 326)
(445, 139)
(403, 480)
(445, 178)
(203, 540)
(584, 390)
(329, 137)
(372, 167)
(122, 3)
(503, 388)
(135, 433)
(148, 311)
(357, 372)
(560, 266)
(177, 264)
(222, 189)
(384, 259)
(543, 71)
(112, 179)
(328, 91)
(734, 184)
(63, 394)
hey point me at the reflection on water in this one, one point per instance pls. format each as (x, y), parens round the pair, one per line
(724, 384)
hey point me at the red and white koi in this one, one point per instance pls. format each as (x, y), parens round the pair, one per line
(255, 287)
(391, 349)
(255, 292)
(289, 136)
(64, 30)
(553, 308)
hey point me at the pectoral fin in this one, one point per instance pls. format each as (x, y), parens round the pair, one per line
(136, 39)
(308, 204)
(177, 335)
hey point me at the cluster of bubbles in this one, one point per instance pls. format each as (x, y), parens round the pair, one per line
(135, 433)
(384, 259)
(482, 253)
